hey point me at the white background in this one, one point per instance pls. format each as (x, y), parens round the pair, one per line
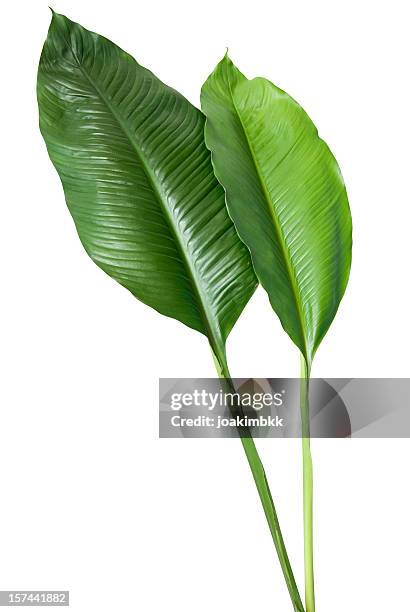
(90, 499)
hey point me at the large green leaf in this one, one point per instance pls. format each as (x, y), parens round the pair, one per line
(139, 183)
(286, 197)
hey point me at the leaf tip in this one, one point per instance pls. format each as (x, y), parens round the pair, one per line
(54, 13)
(55, 17)
(226, 57)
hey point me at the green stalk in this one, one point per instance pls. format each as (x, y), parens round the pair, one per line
(307, 488)
(259, 476)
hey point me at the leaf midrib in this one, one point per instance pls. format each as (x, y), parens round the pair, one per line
(207, 318)
(271, 209)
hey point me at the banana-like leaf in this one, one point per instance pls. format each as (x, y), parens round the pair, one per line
(139, 183)
(286, 196)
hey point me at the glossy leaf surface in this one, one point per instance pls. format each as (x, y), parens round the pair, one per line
(139, 183)
(286, 196)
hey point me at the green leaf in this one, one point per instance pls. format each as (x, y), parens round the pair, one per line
(286, 196)
(139, 183)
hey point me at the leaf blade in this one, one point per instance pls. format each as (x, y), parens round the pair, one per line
(291, 189)
(139, 182)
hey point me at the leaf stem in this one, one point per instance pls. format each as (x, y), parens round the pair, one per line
(307, 487)
(261, 482)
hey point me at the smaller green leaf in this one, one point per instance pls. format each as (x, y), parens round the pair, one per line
(286, 196)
